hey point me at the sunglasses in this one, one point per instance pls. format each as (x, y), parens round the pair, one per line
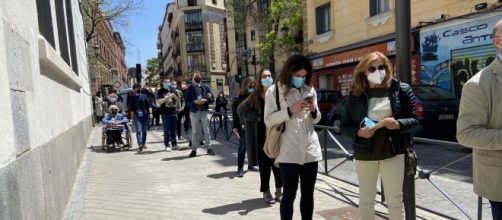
(373, 69)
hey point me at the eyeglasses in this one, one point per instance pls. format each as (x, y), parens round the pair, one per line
(373, 69)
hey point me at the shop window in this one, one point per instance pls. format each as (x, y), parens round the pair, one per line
(378, 6)
(323, 19)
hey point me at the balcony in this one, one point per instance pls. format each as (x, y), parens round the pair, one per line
(193, 26)
(200, 68)
(159, 45)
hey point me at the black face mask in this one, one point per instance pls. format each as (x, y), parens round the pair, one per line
(197, 79)
(114, 112)
(137, 90)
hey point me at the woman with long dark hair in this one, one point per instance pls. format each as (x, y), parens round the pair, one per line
(251, 111)
(299, 145)
(247, 88)
(379, 115)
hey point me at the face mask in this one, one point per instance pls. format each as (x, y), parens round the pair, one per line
(376, 77)
(250, 90)
(166, 85)
(197, 79)
(114, 112)
(297, 81)
(267, 82)
(173, 87)
(221, 95)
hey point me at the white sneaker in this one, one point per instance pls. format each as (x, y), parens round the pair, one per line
(168, 149)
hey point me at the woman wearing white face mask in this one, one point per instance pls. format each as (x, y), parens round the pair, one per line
(379, 116)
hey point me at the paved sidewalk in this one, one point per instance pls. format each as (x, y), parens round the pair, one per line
(168, 185)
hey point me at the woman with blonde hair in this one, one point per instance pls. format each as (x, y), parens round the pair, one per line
(379, 116)
(247, 88)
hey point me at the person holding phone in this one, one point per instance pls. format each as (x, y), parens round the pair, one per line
(251, 112)
(299, 145)
(379, 116)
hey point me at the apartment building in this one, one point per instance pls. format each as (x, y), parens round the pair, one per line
(451, 39)
(108, 67)
(198, 41)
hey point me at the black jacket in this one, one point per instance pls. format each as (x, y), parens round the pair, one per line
(236, 120)
(403, 110)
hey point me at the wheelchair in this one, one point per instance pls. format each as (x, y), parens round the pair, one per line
(125, 135)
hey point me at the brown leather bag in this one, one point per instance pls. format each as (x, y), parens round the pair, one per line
(273, 138)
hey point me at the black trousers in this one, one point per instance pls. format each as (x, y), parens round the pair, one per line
(114, 136)
(266, 168)
(178, 124)
(291, 173)
(156, 117)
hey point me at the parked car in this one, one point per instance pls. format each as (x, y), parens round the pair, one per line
(437, 111)
(436, 108)
(334, 116)
(327, 99)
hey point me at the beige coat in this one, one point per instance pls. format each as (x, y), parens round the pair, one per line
(299, 143)
(479, 126)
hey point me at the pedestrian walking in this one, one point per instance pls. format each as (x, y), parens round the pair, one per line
(198, 98)
(180, 106)
(221, 106)
(379, 116)
(299, 145)
(148, 91)
(239, 129)
(168, 100)
(186, 110)
(140, 107)
(251, 112)
(98, 106)
(479, 126)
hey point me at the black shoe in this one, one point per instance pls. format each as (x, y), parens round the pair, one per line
(192, 154)
(254, 168)
(210, 152)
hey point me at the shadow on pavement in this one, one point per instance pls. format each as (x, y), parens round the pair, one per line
(229, 174)
(149, 152)
(99, 149)
(243, 208)
(175, 158)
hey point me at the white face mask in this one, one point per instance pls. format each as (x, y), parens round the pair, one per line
(376, 77)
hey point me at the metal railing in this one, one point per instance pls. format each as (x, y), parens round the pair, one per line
(325, 133)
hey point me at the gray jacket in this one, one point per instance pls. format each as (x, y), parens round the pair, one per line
(479, 126)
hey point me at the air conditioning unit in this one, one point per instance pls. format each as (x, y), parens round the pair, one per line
(440, 17)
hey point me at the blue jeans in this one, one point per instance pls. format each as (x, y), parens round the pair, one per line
(496, 210)
(169, 122)
(141, 124)
(200, 128)
(241, 153)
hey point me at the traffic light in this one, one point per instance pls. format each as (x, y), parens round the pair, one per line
(238, 78)
(138, 73)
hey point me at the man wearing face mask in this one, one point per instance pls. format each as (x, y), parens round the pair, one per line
(149, 93)
(198, 98)
(113, 121)
(140, 107)
(168, 101)
(180, 105)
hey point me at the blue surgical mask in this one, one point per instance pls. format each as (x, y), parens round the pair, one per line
(173, 87)
(250, 90)
(167, 85)
(297, 81)
(267, 81)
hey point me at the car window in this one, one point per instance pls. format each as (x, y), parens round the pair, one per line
(431, 93)
(328, 96)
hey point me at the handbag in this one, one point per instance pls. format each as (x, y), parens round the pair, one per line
(271, 146)
(410, 162)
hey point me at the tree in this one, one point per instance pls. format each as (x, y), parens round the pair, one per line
(115, 11)
(152, 67)
(285, 16)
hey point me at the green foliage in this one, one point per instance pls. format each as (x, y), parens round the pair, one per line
(152, 66)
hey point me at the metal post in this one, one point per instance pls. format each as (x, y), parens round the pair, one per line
(403, 66)
(480, 207)
(325, 152)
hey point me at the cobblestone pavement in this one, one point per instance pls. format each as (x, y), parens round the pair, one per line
(167, 185)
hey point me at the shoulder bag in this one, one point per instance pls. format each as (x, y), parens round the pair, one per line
(272, 141)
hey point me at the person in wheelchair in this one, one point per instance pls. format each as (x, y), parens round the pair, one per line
(115, 123)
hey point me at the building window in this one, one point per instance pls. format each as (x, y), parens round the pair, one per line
(45, 21)
(196, 63)
(323, 19)
(193, 20)
(378, 6)
(253, 35)
(195, 41)
(192, 2)
(71, 36)
(215, 2)
(63, 38)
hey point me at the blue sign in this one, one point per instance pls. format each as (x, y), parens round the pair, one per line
(451, 55)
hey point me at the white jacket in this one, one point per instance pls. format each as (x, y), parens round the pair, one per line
(299, 142)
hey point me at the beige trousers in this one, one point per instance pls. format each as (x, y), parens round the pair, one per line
(392, 173)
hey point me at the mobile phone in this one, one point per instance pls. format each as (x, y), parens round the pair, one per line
(369, 123)
(309, 98)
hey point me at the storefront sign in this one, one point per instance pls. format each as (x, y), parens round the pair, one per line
(353, 55)
(453, 54)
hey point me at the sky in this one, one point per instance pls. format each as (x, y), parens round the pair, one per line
(141, 33)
